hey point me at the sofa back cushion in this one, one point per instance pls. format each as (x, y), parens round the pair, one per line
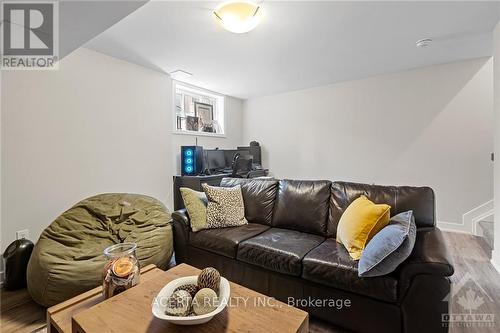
(303, 205)
(258, 196)
(401, 199)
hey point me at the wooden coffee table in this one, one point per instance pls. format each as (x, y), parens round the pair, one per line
(130, 311)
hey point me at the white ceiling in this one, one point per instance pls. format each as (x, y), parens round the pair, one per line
(74, 17)
(299, 44)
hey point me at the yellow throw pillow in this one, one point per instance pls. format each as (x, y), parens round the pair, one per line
(196, 206)
(359, 223)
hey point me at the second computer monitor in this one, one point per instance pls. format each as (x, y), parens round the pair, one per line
(254, 151)
(215, 159)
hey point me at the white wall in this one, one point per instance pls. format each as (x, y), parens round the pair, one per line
(104, 125)
(430, 126)
(496, 57)
(96, 125)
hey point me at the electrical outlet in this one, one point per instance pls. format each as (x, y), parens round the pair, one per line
(23, 234)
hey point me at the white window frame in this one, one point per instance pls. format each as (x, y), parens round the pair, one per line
(221, 106)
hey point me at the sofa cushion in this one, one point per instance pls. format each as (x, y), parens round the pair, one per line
(225, 206)
(390, 247)
(224, 241)
(329, 264)
(401, 199)
(303, 205)
(196, 206)
(359, 223)
(278, 250)
(258, 195)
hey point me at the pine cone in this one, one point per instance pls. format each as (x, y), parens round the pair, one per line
(192, 289)
(209, 278)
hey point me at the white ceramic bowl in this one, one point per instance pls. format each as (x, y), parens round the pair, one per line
(160, 301)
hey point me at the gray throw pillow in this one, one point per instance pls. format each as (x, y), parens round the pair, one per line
(225, 206)
(389, 247)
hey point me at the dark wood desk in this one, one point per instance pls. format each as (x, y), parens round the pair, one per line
(194, 182)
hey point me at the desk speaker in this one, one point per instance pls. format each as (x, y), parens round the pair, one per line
(191, 160)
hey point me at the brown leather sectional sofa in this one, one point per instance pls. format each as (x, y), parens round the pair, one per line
(288, 251)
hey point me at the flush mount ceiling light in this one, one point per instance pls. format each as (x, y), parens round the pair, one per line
(424, 42)
(238, 16)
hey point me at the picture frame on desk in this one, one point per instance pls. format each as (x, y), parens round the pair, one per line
(192, 123)
(181, 122)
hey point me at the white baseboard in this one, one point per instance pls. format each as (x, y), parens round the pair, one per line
(453, 227)
(470, 219)
(475, 222)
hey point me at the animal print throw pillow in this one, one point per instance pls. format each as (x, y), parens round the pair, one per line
(225, 206)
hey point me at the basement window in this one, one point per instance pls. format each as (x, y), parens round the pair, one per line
(198, 111)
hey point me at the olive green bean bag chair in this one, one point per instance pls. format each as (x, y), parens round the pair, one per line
(68, 258)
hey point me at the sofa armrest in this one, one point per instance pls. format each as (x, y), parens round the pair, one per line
(181, 228)
(181, 216)
(429, 256)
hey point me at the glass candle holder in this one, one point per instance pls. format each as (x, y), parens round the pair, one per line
(121, 270)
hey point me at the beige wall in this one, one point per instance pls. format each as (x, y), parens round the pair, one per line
(496, 56)
(430, 126)
(96, 125)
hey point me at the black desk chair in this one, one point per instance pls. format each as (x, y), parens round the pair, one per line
(241, 166)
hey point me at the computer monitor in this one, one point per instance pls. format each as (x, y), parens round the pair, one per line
(215, 159)
(254, 151)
